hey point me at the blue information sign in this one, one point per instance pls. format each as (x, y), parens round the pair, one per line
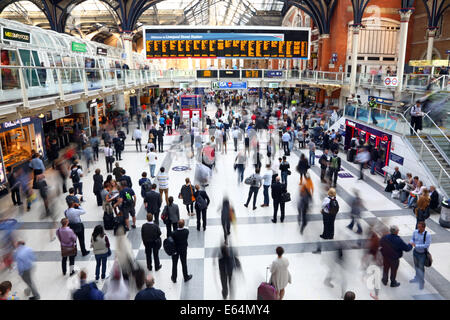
(191, 101)
(274, 74)
(232, 85)
(396, 158)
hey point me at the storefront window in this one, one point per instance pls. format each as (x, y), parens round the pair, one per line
(16, 145)
(9, 77)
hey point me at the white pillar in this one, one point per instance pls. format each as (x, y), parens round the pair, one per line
(404, 22)
(354, 62)
(431, 35)
(127, 39)
(120, 102)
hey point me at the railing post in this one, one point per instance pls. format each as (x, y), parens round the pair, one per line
(440, 176)
(85, 85)
(385, 120)
(23, 89)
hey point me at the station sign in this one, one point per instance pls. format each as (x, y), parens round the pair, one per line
(78, 47)
(206, 73)
(274, 85)
(102, 51)
(229, 85)
(391, 81)
(229, 74)
(251, 73)
(15, 35)
(274, 74)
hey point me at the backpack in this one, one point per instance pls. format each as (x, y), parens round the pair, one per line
(334, 163)
(200, 202)
(333, 206)
(128, 201)
(251, 181)
(146, 186)
(75, 176)
(169, 246)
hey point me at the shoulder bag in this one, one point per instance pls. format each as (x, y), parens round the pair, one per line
(428, 257)
(69, 251)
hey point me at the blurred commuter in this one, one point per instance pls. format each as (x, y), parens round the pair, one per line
(25, 259)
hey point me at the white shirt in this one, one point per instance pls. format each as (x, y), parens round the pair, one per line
(151, 157)
(286, 137)
(194, 119)
(137, 134)
(108, 152)
(267, 177)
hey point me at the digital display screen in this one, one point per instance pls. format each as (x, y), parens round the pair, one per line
(225, 43)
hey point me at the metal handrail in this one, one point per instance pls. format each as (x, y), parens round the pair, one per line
(446, 137)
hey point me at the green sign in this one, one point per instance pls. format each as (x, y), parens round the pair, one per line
(14, 35)
(273, 85)
(78, 47)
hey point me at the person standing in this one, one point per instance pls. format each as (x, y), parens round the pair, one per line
(330, 207)
(127, 203)
(137, 135)
(255, 184)
(160, 138)
(416, 118)
(14, 186)
(171, 216)
(323, 165)
(37, 165)
(150, 293)
(280, 275)
(267, 181)
(392, 247)
(278, 189)
(73, 214)
(284, 170)
(187, 194)
(151, 237)
(98, 186)
(25, 258)
(100, 245)
(68, 240)
(109, 157)
(421, 241)
(312, 152)
(180, 237)
(95, 143)
(163, 183)
(151, 156)
(286, 138)
(118, 147)
(240, 162)
(75, 174)
(201, 206)
(152, 202)
(235, 133)
(335, 166)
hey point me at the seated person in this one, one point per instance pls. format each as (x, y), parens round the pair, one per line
(413, 195)
(422, 210)
(392, 182)
(434, 196)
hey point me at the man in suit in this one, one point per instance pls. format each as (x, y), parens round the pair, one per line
(151, 237)
(180, 237)
(152, 202)
(323, 165)
(392, 247)
(150, 293)
(201, 212)
(278, 189)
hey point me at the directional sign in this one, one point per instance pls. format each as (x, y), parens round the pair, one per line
(225, 85)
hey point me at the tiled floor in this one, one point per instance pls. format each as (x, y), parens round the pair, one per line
(254, 236)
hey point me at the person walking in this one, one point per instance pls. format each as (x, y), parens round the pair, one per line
(163, 183)
(335, 167)
(356, 207)
(151, 156)
(284, 170)
(228, 262)
(98, 186)
(302, 167)
(267, 181)
(306, 192)
(280, 275)
(118, 147)
(137, 136)
(73, 213)
(127, 203)
(152, 202)
(362, 158)
(171, 216)
(324, 161)
(117, 172)
(421, 241)
(255, 183)
(87, 291)
(227, 213)
(312, 152)
(151, 237)
(187, 194)
(25, 258)
(239, 163)
(109, 158)
(392, 247)
(14, 186)
(201, 206)
(278, 189)
(75, 174)
(180, 237)
(101, 247)
(150, 293)
(160, 136)
(416, 118)
(37, 165)
(68, 240)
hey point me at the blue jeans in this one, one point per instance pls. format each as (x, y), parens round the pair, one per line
(312, 157)
(266, 194)
(152, 170)
(372, 167)
(78, 188)
(411, 201)
(284, 177)
(241, 169)
(419, 266)
(101, 260)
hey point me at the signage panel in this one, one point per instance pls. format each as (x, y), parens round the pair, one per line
(274, 73)
(78, 47)
(102, 51)
(229, 85)
(206, 73)
(15, 35)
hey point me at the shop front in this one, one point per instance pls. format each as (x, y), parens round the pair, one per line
(57, 125)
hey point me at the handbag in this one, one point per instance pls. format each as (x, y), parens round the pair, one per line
(289, 172)
(428, 257)
(192, 195)
(285, 197)
(69, 251)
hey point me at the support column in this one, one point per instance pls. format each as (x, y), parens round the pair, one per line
(325, 53)
(120, 102)
(127, 38)
(431, 34)
(405, 14)
(354, 62)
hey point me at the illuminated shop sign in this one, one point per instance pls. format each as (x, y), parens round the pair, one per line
(11, 124)
(15, 35)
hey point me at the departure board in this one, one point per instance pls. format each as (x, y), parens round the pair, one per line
(210, 42)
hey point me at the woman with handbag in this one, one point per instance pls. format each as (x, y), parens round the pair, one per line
(187, 194)
(422, 210)
(68, 241)
(170, 216)
(100, 245)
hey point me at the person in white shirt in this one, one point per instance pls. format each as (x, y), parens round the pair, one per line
(151, 156)
(195, 120)
(416, 117)
(286, 138)
(267, 181)
(235, 133)
(137, 135)
(163, 183)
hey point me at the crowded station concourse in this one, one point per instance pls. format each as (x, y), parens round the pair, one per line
(233, 190)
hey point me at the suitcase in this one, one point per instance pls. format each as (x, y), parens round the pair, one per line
(266, 291)
(351, 155)
(108, 221)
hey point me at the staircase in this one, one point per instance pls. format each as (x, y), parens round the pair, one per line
(443, 144)
(430, 161)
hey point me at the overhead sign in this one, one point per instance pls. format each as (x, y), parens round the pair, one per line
(78, 47)
(273, 85)
(420, 63)
(12, 124)
(274, 73)
(102, 51)
(191, 101)
(391, 81)
(206, 73)
(251, 73)
(229, 74)
(229, 85)
(226, 42)
(15, 35)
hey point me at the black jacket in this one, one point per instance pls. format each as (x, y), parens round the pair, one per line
(98, 182)
(150, 232)
(396, 175)
(303, 165)
(277, 190)
(187, 191)
(434, 202)
(150, 294)
(153, 200)
(127, 179)
(181, 239)
(203, 194)
(392, 247)
(323, 161)
(160, 134)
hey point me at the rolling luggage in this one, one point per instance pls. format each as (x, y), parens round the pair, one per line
(266, 291)
(108, 221)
